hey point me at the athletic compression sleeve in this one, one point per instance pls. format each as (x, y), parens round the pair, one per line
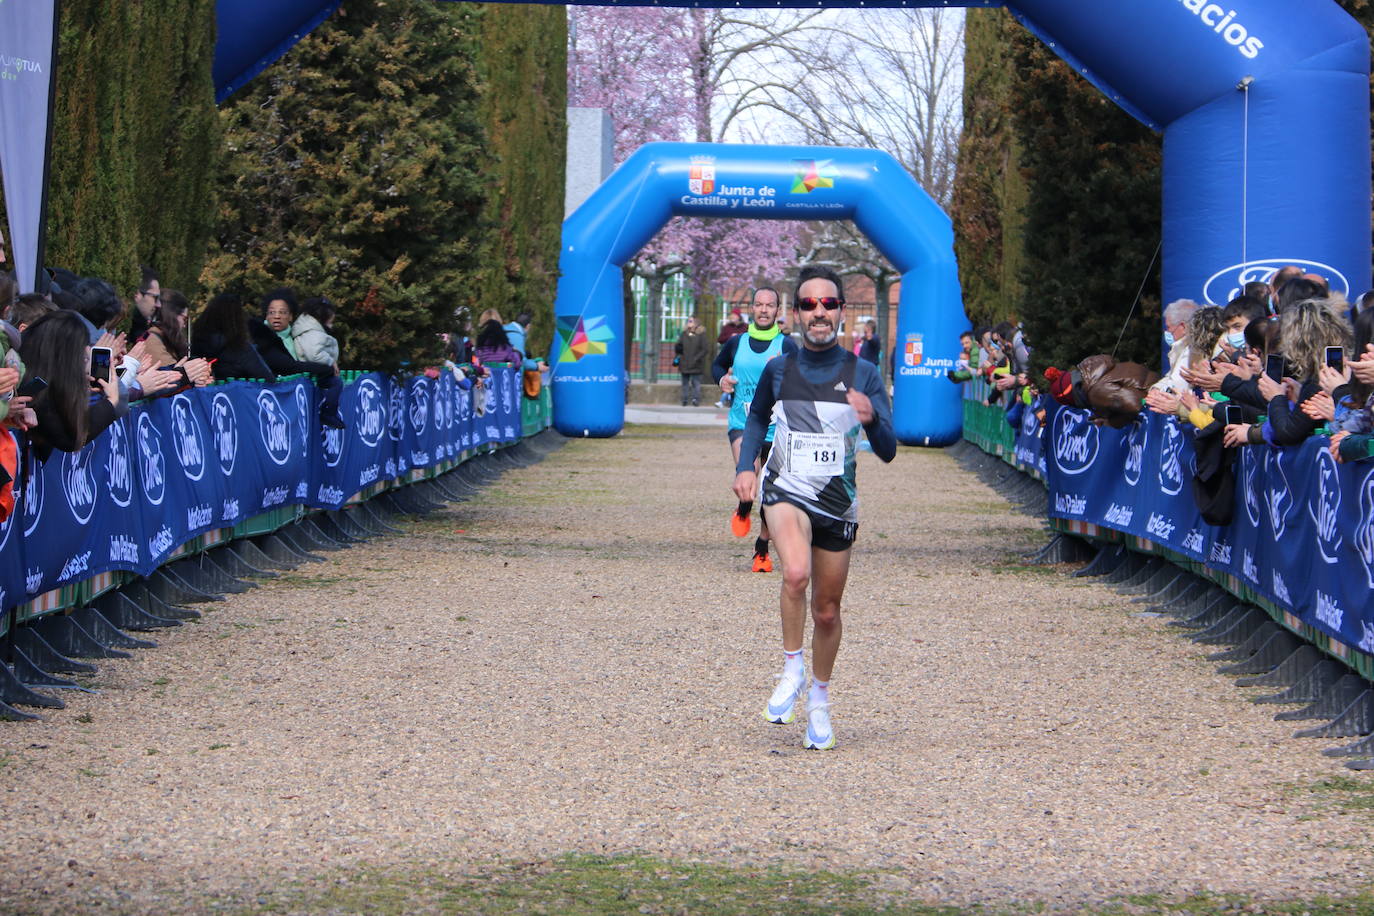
(879, 431)
(760, 416)
(725, 358)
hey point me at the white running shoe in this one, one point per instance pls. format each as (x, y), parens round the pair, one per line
(819, 735)
(782, 705)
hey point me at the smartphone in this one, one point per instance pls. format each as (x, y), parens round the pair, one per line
(31, 387)
(1273, 366)
(1232, 414)
(1335, 358)
(101, 357)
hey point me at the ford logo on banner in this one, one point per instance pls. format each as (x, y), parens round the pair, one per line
(1226, 284)
(33, 500)
(78, 483)
(395, 413)
(443, 407)
(419, 407)
(371, 414)
(1248, 465)
(1171, 458)
(333, 446)
(224, 429)
(1136, 441)
(1325, 506)
(153, 464)
(507, 390)
(464, 405)
(119, 471)
(1277, 495)
(1075, 441)
(303, 417)
(275, 429)
(1029, 421)
(190, 448)
(1364, 534)
(489, 405)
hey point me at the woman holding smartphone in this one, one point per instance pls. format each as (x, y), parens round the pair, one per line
(57, 348)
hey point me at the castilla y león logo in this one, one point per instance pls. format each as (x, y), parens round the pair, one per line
(812, 174)
(582, 337)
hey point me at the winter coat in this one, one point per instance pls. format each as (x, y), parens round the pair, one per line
(1113, 390)
(313, 343)
(694, 350)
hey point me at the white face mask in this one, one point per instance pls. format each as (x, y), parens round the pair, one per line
(1168, 340)
(1236, 339)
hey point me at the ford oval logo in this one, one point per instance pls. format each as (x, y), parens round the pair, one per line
(333, 446)
(419, 407)
(1226, 284)
(119, 470)
(1325, 507)
(370, 419)
(153, 464)
(395, 414)
(224, 430)
(190, 447)
(1171, 459)
(1075, 441)
(78, 483)
(274, 427)
(1277, 495)
(1136, 441)
(1364, 534)
(33, 499)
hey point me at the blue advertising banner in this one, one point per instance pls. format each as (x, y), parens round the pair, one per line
(1302, 536)
(177, 467)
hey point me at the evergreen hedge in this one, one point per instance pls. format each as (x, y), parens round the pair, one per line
(523, 58)
(136, 140)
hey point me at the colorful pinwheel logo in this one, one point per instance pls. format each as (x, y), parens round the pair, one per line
(582, 337)
(813, 174)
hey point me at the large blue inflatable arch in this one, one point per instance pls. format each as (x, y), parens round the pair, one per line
(662, 180)
(1264, 107)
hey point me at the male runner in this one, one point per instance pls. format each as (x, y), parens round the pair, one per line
(818, 399)
(737, 369)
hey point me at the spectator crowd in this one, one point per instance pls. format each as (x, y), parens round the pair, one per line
(74, 358)
(1285, 360)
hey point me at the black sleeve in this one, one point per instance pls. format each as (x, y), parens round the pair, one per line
(53, 433)
(725, 358)
(1243, 391)
(760, 415)
(1289, 424)
(879, 431)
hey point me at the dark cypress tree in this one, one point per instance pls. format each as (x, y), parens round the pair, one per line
(1092, 216)
(355, 172)
(523, 59)
(990, 191)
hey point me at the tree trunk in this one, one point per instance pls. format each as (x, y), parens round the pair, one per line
(882, 284)
(653, 311)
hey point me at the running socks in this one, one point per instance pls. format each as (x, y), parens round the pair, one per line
(820, 691)
(740, 522)
(793, 663)
(760, 547)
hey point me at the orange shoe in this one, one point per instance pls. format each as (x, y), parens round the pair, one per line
(740, 522)
(763, 563)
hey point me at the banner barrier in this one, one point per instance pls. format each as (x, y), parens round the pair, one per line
(214, 458)
(1300, 543)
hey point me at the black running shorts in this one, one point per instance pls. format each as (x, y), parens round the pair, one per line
(826, 533)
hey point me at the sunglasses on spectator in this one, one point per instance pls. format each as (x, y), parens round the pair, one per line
(811, 303)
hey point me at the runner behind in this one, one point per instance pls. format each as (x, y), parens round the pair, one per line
(737, 369)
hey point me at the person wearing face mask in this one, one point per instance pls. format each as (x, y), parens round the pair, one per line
(1238, 314)
(1177, 314)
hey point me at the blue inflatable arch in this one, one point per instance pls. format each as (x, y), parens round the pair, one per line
(1264, 107)
(663, 180)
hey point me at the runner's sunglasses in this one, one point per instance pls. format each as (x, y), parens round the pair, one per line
(810, 303)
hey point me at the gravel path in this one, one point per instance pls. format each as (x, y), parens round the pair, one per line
(579, 663)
